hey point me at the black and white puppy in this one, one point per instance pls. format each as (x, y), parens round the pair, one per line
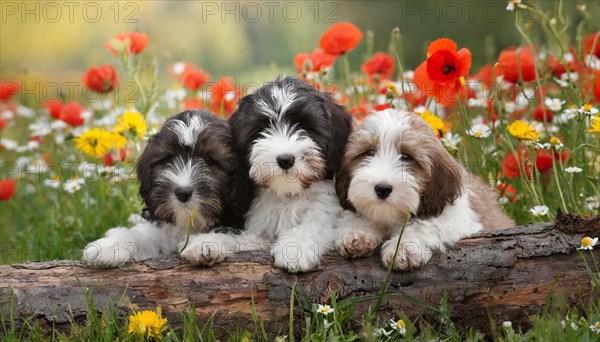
(290, 139)
(185, 182)
(394, 166)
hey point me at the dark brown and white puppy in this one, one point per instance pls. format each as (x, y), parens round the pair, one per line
(394, 166)
(185, 182)
(290, 139)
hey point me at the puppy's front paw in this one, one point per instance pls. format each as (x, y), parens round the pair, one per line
(357, 244)
(200, 252)
(108, 252)
(294, 257)
(411, 254)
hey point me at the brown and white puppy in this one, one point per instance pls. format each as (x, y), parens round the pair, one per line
(394, 166)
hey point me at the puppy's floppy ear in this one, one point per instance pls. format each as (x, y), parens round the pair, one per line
(341, 123)
(143, 169)
(445, 185)
(242, 188)
(342, 183)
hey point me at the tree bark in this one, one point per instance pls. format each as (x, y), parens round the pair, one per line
(496, 275)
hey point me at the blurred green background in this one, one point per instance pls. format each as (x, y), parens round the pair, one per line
(249, 40)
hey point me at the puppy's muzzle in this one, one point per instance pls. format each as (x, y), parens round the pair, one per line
(183, 194)
(383, 190)
(286, 161)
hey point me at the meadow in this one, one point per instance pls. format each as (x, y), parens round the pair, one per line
(528, 124)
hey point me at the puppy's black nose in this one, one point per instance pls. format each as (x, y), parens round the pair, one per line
(286, 161)
(183, 194)
(383, 190)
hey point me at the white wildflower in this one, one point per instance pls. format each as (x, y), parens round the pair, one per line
(479, 131)
(539, 210)
(573, 169)
(451, 140)
(554, 104)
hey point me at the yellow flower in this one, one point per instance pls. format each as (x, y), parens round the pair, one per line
(119, 140)
(435, 122)
(147, 323)
(95, 142)
(595, 125)
(523, 131)
(131, 122)
(554, 141)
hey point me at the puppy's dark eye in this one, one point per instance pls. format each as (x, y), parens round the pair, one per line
(406, 157)
(370, 153)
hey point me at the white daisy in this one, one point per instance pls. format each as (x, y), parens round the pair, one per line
(479, 131)
(573, 169)
(398, 325)
(567, 78)
(539, 210)
(53, 182)
(324, 309)
(588, 109)
(73, 185)
(587, 243)
(507, 324)
(595, 327)
(554, 104)
(451, 140)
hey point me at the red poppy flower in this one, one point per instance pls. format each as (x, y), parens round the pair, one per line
(340, 38)
(3, 123)
(224, 95)
(591, 44)
(194, 78)
(486, 74)
(193, 103)
(136, 43)
(510, 193)
(558, 68)
(512, 58)
(71, 114)
(109, 158)
(513, 163)
(443, 73)
(543, 161)
(54, 107)
(318, 60)
(381, 64)
(8, 89)
(380, 107)
(7, 189)
(562, 156)
(542, 114)
(101, 79)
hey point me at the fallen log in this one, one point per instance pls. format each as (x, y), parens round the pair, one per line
(500, 275)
